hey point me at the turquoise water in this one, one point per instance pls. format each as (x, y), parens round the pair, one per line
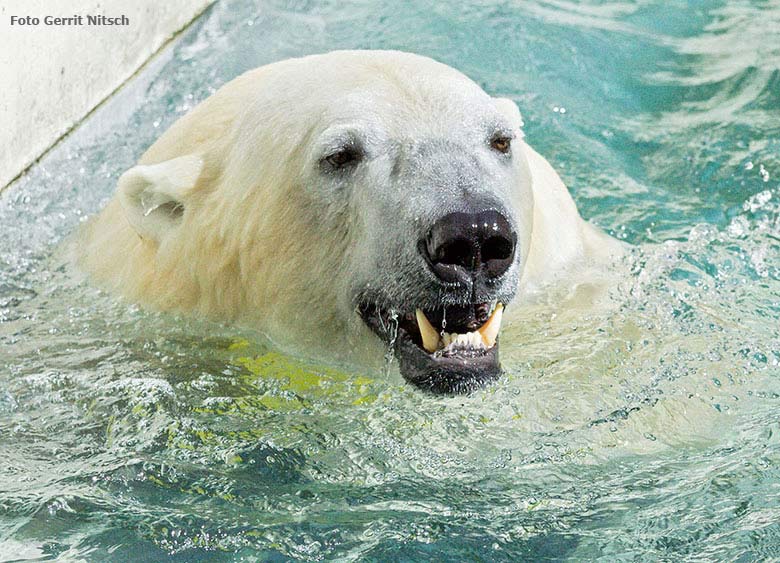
(648, 431)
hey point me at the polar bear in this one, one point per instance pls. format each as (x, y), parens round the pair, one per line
(342, 203)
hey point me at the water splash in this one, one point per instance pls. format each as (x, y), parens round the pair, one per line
(127, 433)
(392, 331)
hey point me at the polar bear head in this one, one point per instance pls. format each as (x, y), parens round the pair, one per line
(341, 203)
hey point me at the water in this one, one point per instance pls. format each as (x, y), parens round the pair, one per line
(647, 431)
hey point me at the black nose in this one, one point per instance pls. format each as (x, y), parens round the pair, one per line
(461, 246)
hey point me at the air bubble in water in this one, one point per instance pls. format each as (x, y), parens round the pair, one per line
(764, 173)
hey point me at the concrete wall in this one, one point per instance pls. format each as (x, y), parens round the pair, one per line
(52, 76)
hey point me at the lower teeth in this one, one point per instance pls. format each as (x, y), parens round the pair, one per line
(469, 339)
(446, 343)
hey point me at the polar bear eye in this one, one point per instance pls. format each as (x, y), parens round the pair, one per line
(343, 157)
(501, 143)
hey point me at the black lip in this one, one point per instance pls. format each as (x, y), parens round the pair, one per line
(450, 375)
(453, 375)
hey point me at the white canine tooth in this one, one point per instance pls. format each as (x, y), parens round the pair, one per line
(429, 335)
(489, 330)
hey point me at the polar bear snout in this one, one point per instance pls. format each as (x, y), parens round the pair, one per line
(445, 331)
(462, 247)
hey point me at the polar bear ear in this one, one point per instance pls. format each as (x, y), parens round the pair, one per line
(154, 196)
(510, 110)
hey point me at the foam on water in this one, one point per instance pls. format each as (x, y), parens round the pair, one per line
(647, 429)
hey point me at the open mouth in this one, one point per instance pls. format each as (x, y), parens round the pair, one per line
(451, 349)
